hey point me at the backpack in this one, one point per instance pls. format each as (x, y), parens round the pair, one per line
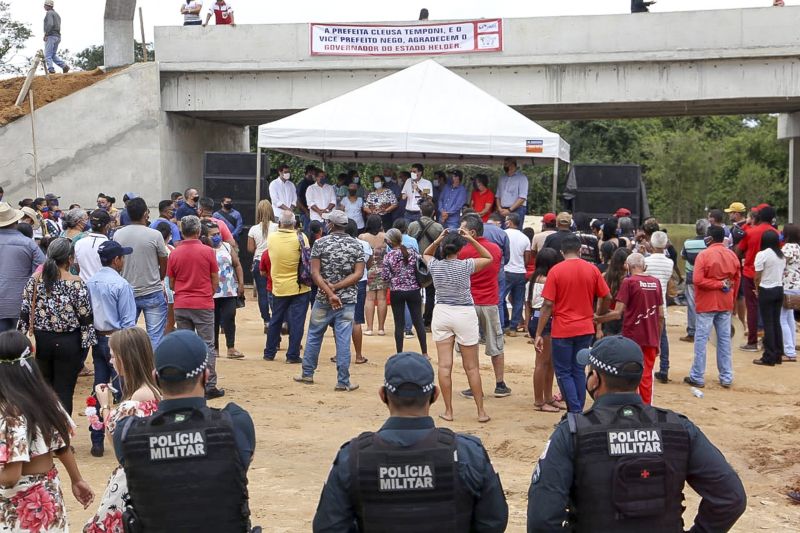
(304, 265)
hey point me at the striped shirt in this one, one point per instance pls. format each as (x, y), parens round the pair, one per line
(451, 278)
(660, 267)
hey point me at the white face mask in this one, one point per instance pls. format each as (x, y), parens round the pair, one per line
(378, 185)
(356, 180)
(286, 176)
(414, 176)
(387, 179)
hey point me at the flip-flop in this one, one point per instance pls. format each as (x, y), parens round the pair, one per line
(546, 408)
(362, 361)
(445, 418)
(560, 405)
(333, 359)
(368, 332)
(381, 332)
(484, 419)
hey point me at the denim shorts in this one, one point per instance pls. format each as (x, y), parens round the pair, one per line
(361, 299)
(533, 324)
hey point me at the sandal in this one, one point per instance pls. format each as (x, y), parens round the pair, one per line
(86, 372)
(558, 404)
(235, 354)
(484, 419)
(368, 332)
(381, 332)
(546, 407)
(443, 417)
(361, 361)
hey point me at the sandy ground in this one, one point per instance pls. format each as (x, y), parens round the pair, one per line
(301, 427)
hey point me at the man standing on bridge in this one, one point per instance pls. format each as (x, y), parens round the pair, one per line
(223, 13)
(640, 6)
(52, 38)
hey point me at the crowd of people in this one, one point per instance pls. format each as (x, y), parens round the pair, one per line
(456, 267)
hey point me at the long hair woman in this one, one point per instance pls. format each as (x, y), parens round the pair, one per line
(376, 285)
(400, 272)
(791, 286)
(454, 318)
(56, 307)
(132, 357)
(770, 264)
(34, 429)
(257, 245)
(614, 275)
(543, 373)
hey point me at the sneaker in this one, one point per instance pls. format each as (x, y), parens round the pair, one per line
(501, 391)
(235, 355)
(726, 384)
(308, 380)
(97, 450)
(214, 393)
(693, 383)
(468, 394)
(687, 338)
(749, 347)
(296, 361)
(789, 359)
(511, 332)
(662, 377)
(345, 388)
(268, 358)
(65, 69)
(408, 335)
(51, 71)
(761, 362)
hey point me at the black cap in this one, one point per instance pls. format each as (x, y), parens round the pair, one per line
(111, 249)
(456, 172)
(408, 368)
(50, 196)
(610, 354)
(184, 352)
(100, 217)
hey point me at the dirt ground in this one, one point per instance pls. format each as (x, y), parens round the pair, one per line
(44, 91)
(301, 427)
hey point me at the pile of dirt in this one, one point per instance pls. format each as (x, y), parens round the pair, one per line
(44, 91)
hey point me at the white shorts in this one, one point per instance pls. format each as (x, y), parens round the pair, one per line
(459, 321)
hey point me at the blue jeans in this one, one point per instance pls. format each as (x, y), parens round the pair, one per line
(722, 324)
(502, 307)
(412, 216)
(453, 221)
(154, 307)
(408, 322)
(261, 288)
(51, 52)
(663, 359)
(323, 315)
(514, 286)
(690, 313)
(291, 309)
(103, 372)
(570, 375)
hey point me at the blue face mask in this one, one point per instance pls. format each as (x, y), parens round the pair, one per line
(216, 240)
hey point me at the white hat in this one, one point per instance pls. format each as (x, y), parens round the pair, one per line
(48, 3)
(8, 215)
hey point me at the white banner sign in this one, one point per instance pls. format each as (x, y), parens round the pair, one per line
(417, 39)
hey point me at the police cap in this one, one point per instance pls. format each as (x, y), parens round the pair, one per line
(610, 355)
(408, 368)
(184, 352)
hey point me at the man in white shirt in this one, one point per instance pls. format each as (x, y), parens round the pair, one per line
(520, 248)
(660, 267)
(320, 197)
(282, 192)
(415, 191)
(86, 249)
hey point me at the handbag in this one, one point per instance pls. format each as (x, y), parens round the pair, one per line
(422, 273)
(791, 301)
(304, 265)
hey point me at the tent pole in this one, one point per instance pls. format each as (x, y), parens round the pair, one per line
(555, 185)
(258, 178)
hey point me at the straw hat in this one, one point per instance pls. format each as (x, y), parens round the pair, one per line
(33, 215)
(8, 215)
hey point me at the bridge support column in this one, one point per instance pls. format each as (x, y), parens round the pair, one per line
(789, 128)
(118, 33)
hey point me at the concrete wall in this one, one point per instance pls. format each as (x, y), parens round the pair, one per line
(118, 33)
(111, 137)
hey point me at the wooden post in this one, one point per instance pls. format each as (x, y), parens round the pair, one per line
(40, 55)
(144, 43)
(555, 185)
(33, 141)
(29, 80)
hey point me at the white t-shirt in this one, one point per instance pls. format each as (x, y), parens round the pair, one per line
(414, 197)
(257, 235)
(518, 244)
(282, 193)
(320, 197)
(660, 267)
(86, 255)
(192, 17)
(771, 267)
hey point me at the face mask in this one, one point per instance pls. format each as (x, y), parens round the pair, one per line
(195, 199)
(101, 206)
(227, 206)
(378, 185)
(286, 176)
(387, 179)
(356, 180)
(414, 176)
(216, 240)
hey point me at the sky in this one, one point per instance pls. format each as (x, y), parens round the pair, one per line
(82, 20)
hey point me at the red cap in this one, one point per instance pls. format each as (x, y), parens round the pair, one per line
(622, 212)
(549, 218)
(759, 207)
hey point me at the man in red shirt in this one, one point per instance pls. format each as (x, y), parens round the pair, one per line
(748, 247)
(716, 284)
(641, 307)
(223, 13)
(194, 278)
(569, 294)
(485, 289)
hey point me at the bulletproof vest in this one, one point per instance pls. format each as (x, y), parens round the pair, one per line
(413, 488)
(630, 467)
(185, 473)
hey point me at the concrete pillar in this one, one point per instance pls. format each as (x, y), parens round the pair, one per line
(118, 33)
(789, 128)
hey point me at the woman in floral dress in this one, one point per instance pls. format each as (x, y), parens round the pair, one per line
(132, 357)
(33, 429)
(376, 285)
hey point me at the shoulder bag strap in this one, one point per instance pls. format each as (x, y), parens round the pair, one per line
(33, 303)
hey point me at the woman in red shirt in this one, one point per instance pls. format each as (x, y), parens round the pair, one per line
(482, 198)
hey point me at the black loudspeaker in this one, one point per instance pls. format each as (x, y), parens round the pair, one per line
(233, 175)
(599, 190)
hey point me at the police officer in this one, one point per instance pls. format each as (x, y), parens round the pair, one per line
(621, 465)
(186, 465)
(411, 476)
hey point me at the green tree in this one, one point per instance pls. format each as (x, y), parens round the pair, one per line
(92, 57)
(13, 36)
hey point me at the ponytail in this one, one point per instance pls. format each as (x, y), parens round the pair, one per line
(58, 253)
(50, 274)
(405, 253)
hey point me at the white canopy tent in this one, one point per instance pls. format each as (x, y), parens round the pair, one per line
(425, 114)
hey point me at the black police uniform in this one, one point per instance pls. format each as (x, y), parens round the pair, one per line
(621, 466)
(407, 471)
(190, 457)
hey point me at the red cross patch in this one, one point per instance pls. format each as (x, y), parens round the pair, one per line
(645, 474)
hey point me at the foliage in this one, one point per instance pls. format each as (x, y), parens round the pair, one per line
(13, 35)
(92, 57)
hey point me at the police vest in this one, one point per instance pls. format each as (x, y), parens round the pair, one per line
(630, 467)
(185, 473)
(415, 488)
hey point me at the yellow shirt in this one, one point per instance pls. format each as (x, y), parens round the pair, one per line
(284, 257)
